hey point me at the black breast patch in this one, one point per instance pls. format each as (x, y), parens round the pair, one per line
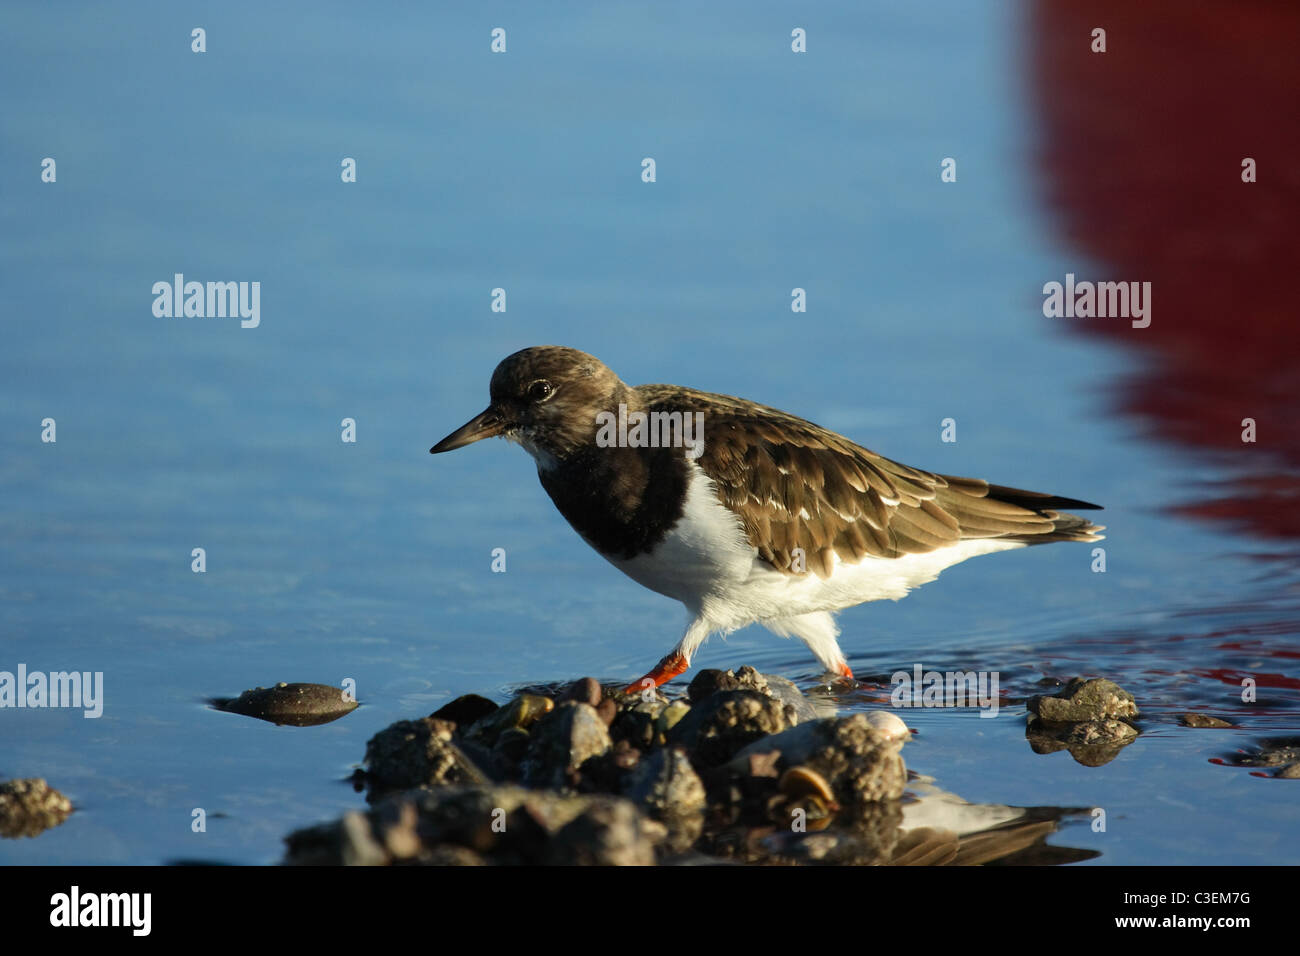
(623, 501)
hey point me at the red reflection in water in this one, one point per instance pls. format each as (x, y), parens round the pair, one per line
(1142, 150)
(1235, 678)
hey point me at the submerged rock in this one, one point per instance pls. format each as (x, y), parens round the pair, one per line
(30, 806)
(1203, 720)
(295, 705)
(1280, 753)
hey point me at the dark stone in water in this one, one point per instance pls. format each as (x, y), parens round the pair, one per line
(587, 691)
(464, 710)
(295, 705)
(1203, 720)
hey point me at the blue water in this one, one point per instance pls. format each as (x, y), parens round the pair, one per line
(371, 561)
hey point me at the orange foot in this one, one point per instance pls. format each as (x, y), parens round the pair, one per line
(664, 671)
(845, 672)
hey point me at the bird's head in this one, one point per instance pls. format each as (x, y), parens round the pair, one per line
(546, 398)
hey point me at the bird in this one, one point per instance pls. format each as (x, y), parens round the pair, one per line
(742, 512)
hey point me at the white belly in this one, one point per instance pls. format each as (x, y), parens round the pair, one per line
(706, 562)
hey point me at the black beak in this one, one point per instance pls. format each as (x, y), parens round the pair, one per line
(486, 425)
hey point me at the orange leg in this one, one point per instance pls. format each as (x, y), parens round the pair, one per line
(668, 668)
(845, 672)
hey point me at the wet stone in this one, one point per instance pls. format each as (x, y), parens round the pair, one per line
(1269, 752)
(609, 832)
(861, 765)
(562, 742)
(465, 710)
(635, 722)
(503, 825)
(587, 691)
(417, 753)
(725, 722)
(520, 714)
(1084, 700)
(666, 787)
(295, 705)
(1202, 720)
(30, 806)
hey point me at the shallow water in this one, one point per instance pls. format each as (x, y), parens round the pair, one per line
(371, 561)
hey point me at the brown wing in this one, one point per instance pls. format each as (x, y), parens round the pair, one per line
(797, 485)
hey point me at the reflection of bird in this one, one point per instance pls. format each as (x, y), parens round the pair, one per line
(942, 829)
(741, 512)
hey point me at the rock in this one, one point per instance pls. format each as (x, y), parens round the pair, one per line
(465, 710)
(505, 825)
(889, 724)
(512, 745)
(1269, 752)
(296, 705)
(30, 806)
(417, 753)
(636, 720)
(667, 789)
(1202, 720)
(562, 742)
(1088, 717)
(1084, 700)
(587, 691)
(358, 846)
(609, 832)
(710, 681)
(520, 714)
(669, 718)
(861, 765)
(786, 692)
(726, 721)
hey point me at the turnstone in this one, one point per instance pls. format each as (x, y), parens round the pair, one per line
(758, 516)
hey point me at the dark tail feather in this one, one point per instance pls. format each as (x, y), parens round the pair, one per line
(1036, 500)
(1068, 527)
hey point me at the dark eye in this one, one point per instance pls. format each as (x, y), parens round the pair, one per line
(540, 390)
